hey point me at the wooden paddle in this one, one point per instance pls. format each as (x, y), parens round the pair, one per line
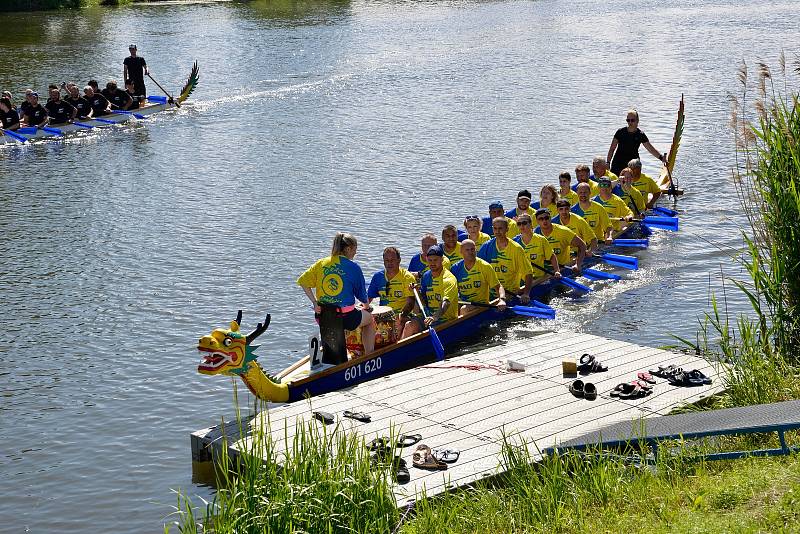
(164, 91)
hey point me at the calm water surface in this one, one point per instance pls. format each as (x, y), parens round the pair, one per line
(120, 248)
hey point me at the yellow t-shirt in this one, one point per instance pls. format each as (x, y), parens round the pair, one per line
(615, 208)
(538, 250)
(645, 185)
(579, 227)
(572, 197)
(455, 255)
(439, 288)
(513, 229)
(593, 188)
(482, 238)
(510, 264)
(561, 240)
(394, 292)
(336, 279)
(596, 216)
(474, 284)
(632, 198)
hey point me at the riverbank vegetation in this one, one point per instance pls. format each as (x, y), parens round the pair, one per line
(329, 484)
(40, 5)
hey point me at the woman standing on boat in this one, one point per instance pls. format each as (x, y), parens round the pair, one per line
(625, 145)
(339, 282)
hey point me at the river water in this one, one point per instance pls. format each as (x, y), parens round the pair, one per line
(387, 119)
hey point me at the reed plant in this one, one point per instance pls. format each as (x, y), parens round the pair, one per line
(763, 348)
(324, 482)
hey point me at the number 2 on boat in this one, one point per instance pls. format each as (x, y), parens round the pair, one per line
(314, 352)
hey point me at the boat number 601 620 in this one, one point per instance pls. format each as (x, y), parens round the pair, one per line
(362, 369)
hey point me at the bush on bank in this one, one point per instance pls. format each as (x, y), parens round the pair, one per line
(40, 5)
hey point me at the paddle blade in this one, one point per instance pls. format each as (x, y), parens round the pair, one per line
(82, 125)
(572, 284)
(642, 243)
(618, 260)
(665, 223)
(600, 275)
(537, 304)
(665, 211)
(53, 131)
(104, 121)
(15, 135)
(437, 344)
(539, 313)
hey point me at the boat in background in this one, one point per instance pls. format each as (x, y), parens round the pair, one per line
(155, 104)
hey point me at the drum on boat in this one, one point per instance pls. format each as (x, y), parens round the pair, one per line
(385, 320)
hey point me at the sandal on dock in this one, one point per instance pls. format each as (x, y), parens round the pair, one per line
(423, 459)
(448, 456)
(588, 364)
(686, 379)
(589, 391)
(407, 440)
(666, 371)
(358, 416)
(646, 377)
(576, 388)
(399, 466)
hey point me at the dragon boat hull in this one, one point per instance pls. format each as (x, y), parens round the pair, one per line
(405, 354)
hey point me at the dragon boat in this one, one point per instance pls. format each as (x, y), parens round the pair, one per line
(226, 351)
(155, 104)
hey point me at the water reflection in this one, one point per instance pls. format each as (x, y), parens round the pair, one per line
(300, 12)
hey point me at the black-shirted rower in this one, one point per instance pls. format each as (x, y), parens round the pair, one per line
(118, 98)
(59, 111)
(97, 102)
(82, 107)
(26, 103)
(134, 68)
(8, 115)
(136, 99)
(35, 115)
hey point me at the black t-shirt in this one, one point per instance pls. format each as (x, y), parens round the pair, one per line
(60, 111)
(36, 115)
(627, 147)
(24, 107)
(135, 68)
(118, 97)
(136, 103)
(10, 118)
(80, 104)
(99, 104)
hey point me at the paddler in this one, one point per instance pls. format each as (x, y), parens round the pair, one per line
(339, 282)
(625, 145)
(616, 209)
(473, 224)
(59, 111)
(99, 104)
(645, 184)
(563, 240)
(629, 194)
(582, 177)
(83, 110)
(136, 99)
(35, 114)
(565, 192)
(548, 196)
(451, 246)
(577, 224)
(476, 278)
(439, 294)
(496, 210)
(419, 263)
(600, 168)
(594, 214)
(26, 103)
(523, 205)
(538, 250)
(118, 98)
(393, 286)
(8, 115)
(508, 260)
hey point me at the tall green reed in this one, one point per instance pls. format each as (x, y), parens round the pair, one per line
(325, 481)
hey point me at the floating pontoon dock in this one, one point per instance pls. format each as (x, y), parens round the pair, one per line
(467, 402)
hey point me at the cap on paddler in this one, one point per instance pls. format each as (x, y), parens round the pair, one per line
(542, 211)
(604, 181)
(35, 94)
(496, 205)
(132, 46)
(436, 250)
(524, 194)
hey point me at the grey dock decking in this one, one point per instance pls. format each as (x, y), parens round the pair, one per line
(463, 404)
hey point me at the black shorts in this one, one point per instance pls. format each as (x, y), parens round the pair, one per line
(352, 319)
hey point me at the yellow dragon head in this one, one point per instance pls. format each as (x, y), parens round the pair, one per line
(228, 352)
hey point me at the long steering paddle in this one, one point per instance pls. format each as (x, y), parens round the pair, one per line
(435, 341)
(164, 91)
